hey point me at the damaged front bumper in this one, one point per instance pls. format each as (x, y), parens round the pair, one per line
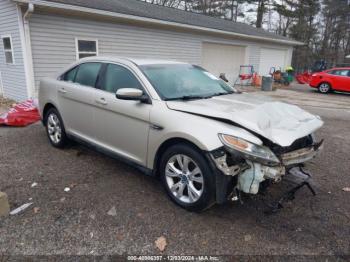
(302, 155)
(247, 174)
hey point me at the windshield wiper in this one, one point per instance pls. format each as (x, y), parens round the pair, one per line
(189, 97)
(224, 93)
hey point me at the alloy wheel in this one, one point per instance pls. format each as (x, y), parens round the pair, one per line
(54, 128)
(324, 88)
(184, 178)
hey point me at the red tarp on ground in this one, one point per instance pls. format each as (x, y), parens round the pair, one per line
(303, 78)
(22, 114)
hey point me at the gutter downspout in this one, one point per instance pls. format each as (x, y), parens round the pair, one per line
(28, 47)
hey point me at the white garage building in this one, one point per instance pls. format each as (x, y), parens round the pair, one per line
(40, 37)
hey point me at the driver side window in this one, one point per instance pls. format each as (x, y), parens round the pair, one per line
(117, 77)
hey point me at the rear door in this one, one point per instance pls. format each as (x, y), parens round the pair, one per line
(76, 96)
(340, 79)
(122, 126)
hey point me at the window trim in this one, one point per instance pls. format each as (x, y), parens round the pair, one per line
(339, 70)
(8, 50)
(78, 67)
(144, 88)
(77, 53)
(63, 76)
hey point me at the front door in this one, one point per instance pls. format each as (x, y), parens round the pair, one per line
(122, 126)
(76, 96)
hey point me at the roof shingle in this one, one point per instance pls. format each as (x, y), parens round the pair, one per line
(147, 10)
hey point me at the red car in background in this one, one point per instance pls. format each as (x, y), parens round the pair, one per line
(336, 79)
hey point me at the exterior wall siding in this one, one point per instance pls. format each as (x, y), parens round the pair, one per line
(53, 43)
(12, 75)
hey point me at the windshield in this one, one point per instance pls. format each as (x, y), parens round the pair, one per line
(184, 81)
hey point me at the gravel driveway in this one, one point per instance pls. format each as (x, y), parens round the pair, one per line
(77, 222)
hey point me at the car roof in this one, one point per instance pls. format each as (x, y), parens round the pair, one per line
(137, 61)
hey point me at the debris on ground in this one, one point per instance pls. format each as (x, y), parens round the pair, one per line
(161, 243)
(4, 205)
(62, 199)
(21, 115)
(72, 185)
(34, 184)
(346, 189)
(120, 236)
(247, 238)
(5, 102)
(20, 209)
(112, 212)
(36, 210)
(66, 189)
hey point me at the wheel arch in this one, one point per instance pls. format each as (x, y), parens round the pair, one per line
(165, 145)
(325, 82)
(46, 108)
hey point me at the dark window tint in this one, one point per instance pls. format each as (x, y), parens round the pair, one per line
(119, 77)
(70, 75)
(83, 55)
(7, 43)
(87, 46)
(87, 74)
(8, 50)
(8, 57)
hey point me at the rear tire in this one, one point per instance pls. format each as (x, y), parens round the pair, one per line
(324, 88)
(187, 177)
(55, 128)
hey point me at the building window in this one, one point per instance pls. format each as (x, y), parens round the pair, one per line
(8, 49)
(86, 48)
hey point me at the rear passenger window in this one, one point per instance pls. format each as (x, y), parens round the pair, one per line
(87, 74)
(344, 72)
(118, 77)
(70, 75)
(340, 72)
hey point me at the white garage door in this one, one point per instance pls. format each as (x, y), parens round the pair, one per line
(219, 58)
(272, 58)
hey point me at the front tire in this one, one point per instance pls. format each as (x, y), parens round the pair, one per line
(187, 177)
(55, 129)
(324, 88)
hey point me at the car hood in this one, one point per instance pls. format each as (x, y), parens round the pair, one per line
(279, 122)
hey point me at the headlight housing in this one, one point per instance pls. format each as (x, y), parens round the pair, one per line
(251, 151)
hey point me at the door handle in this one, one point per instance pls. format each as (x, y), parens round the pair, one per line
(101, 101)
(62, 91)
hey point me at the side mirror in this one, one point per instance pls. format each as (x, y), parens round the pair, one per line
(131, 94)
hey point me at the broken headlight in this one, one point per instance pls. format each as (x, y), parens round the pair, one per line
(251, 151)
